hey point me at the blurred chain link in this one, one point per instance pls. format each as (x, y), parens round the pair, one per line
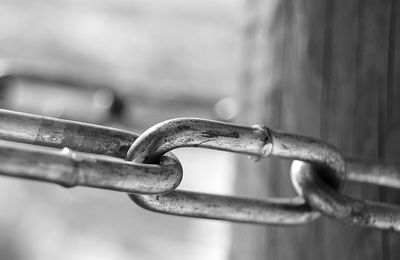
(104, 99)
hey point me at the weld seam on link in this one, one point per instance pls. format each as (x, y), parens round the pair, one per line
(254, 141)
(94, 158)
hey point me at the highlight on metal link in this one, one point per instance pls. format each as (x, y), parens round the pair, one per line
(87, 155)
(353, 211)
(72, 154)
(254, 141)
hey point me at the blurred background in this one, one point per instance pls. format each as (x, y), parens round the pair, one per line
(127, 64)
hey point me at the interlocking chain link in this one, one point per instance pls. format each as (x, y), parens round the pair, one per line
(255, 141)
(90, 156)
(72, 153)
(354, 211)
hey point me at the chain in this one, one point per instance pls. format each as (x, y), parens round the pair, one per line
(72, 153)
(253, 141)
(85, 82)
(89, 156)
(101, 93)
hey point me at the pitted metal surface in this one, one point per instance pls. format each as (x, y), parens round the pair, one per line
(73, 154)
(254, 141)
(366, 213)
(90, 156)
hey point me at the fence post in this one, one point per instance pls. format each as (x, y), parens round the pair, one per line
(329, 69)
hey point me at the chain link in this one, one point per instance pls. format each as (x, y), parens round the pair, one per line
(90, 156)
(353, 211)
(72, 153)
(11, 73)
(258, 142)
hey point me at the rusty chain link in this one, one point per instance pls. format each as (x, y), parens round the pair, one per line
(72, 153)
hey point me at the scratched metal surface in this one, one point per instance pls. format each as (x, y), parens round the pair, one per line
(166, 42)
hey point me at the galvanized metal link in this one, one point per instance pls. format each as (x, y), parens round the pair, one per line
(71, 154)
(255, 141)
(91, 155)
(320, 196)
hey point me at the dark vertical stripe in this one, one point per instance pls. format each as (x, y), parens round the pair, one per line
(383, 113)
(392, 54)
(357, 83)
(358, 57)
(326, 68)
(391, 59)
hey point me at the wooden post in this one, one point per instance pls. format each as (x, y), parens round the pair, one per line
(329, 69)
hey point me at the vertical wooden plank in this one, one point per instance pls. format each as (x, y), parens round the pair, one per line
(370, 86)
(289, 90)
(394, 75)
(325, 64)
(301, 93)
(391, 135)
(338, 120)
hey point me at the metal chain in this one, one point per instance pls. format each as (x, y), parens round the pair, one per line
(89, 156)
(71, 153)
(323, 198)
(10, 72)
(253, 141)
(105, 93)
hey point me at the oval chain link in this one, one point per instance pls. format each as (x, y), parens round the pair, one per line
(255, 141)
(94, 155)
(352, 211)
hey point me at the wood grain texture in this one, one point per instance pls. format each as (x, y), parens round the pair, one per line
(390, 136)
(328, 69)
